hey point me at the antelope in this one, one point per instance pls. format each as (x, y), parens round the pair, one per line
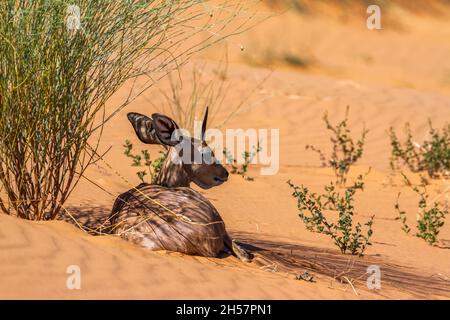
(169, 215)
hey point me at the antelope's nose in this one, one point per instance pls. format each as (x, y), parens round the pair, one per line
(222, 176)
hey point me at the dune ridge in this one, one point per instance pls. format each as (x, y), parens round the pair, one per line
(387, 79)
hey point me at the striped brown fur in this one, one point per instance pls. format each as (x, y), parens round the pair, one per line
(191, 225)
(170, 215)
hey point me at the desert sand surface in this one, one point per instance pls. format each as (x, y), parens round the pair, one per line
(387, 77)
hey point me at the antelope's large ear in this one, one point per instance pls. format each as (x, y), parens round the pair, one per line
(205, 120)
(164, 128)
(143, 126)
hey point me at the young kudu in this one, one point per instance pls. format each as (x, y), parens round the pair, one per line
(169, 215)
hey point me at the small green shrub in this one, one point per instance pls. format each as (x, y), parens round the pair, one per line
(432, 156)
(430, 220)
(346, 236)
(143, 160)
(295, 60)
(345, 150)
(247, 157)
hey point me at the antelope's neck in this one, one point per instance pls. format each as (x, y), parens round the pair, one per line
(172, 174)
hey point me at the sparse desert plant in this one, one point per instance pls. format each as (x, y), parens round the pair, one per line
(347, 236)
(430, 218)
(247, 158)
(204, 91)
(346, 151)
(295, 60)
(60, 63)
(143, 160)
(208, 86)
(432, 156)
(271, 56)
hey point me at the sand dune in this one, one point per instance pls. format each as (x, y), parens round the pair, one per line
(34, 256)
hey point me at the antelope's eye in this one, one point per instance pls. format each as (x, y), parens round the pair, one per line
(207, 156)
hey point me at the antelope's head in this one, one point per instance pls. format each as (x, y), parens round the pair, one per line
(189, 159)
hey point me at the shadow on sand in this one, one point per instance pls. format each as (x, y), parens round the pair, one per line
(295, 259)
(93, 220)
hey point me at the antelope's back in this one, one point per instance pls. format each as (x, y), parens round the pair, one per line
(174, 219)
